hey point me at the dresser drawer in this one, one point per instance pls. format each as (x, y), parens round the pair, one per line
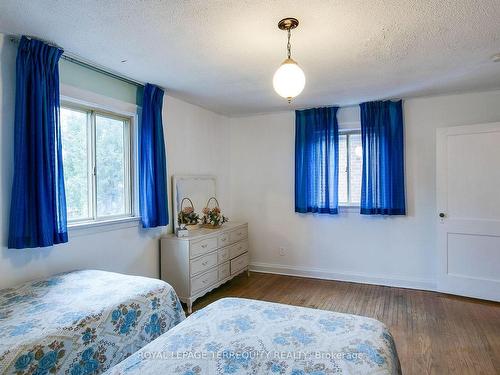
(223, 255)
(224, 271)
(201, 282)
(204, 263)
(239, 263)
(238, 234)
(202, 247)
(238, 249)
(223, 239)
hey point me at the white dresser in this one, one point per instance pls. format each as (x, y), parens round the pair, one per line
(207, 258)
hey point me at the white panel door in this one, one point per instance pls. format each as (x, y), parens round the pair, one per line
(468, 202)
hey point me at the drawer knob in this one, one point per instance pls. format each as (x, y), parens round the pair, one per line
(204, 246)
(205, 263)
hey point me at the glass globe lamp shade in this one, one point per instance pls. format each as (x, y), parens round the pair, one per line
(289, 80)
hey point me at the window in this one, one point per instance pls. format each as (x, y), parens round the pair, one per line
(350, 168)
(96, 149)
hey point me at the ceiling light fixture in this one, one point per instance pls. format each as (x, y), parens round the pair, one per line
(289, 80)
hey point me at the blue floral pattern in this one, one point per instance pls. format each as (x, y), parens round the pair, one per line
(338, 324)
(156, 326)
(239, 336)
(41, 360)
(82, 322)
(238, 324)
(294, 336)
(125, 317)
(277, 313)
(185, 341)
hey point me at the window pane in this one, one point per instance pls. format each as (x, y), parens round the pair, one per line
(75, 162)
(343, 169)
(355, 167)
(110, 166)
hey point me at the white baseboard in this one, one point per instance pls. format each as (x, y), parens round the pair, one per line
(317, 273)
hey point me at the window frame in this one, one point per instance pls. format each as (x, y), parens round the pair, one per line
(130, 162)
(348, 133)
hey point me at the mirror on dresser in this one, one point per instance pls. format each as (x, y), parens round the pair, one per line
(206, 258)
(198, 188)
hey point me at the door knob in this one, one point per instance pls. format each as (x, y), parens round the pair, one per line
(441, 214)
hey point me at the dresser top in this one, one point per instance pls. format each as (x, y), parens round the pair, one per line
(204, 232)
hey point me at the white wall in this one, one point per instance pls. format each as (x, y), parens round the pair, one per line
(198, 143)
(386, 250)
(189, 132)
(253, 158)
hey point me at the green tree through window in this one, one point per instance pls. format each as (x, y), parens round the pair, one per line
(96, 157)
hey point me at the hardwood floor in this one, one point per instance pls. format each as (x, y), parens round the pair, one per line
(434, 333)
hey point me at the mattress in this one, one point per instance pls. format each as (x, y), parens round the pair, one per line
(239, 336)
(82, 322)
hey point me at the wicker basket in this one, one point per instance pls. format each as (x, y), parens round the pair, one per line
(188, 226)
(210, 226)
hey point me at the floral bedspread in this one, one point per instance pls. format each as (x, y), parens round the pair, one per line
(239, 336)
(82, 322)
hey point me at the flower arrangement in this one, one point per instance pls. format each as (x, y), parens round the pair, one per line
(187, 215)
(213, 217)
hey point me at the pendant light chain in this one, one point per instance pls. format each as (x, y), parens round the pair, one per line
(288, 46)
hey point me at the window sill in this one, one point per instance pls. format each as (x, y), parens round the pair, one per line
(84, 228)
(349, 208)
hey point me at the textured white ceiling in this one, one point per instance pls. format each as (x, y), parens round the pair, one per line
(222, 54)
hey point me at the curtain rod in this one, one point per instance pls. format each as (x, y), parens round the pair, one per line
(104, 71)
(96, 68)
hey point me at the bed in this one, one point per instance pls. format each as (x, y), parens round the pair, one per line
(239, 336)
(82, 322)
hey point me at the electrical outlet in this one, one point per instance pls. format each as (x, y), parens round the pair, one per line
(282, 251)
